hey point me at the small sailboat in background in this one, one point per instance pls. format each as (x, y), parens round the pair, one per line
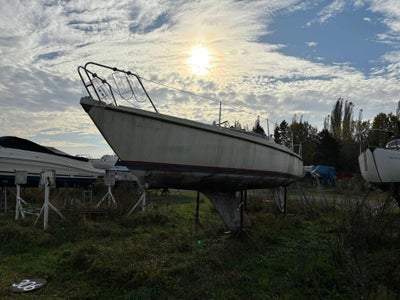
(380, 166)
(112, 165)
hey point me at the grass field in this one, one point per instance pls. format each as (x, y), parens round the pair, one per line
(337, 248)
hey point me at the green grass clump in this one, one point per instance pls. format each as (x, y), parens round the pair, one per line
(17, 239)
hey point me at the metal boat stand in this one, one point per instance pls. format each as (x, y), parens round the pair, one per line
(108, 196)
(279, 195)
(378, 207)
(242, 208)
(21, 177)
(45, 208)
(19, 209)
(142, 187)
(109, 181)
(47, 179)
(197, 214)
(304, 199)
(142, 200)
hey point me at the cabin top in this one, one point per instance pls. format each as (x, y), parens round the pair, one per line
(394, 144)
(14, 142)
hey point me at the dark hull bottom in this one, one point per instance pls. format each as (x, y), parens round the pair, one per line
(224, 182)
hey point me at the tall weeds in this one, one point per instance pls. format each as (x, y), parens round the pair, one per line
(367, 235)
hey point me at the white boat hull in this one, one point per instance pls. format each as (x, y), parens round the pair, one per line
(166, 151)
(110, 164)
(104, 163)
(67, 171)
(380, 165)
(381, 168)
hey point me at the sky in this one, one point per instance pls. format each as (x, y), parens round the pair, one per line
(275, 59)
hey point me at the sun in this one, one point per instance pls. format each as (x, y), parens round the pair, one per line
(199, 60)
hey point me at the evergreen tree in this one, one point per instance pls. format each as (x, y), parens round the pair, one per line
(257, 127)
(282, 134)
(305, 135)
(328, 148)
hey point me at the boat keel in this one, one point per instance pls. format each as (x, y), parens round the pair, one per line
(230, 209)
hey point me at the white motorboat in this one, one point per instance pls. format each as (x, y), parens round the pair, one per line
(170, 152)
(105, 162)
(24, 155)
(381, 167)
(112, 165)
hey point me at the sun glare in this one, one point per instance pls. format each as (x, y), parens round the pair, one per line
(199, 60)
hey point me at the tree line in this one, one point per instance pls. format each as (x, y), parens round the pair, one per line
(338, 143)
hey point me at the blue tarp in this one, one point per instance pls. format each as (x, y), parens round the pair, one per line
(326, 174)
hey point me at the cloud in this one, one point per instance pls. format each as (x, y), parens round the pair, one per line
(390, 11)
(43, 42)
(331, 10)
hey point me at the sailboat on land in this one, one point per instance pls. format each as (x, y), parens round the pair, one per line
(165, 151)
(380, 166)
